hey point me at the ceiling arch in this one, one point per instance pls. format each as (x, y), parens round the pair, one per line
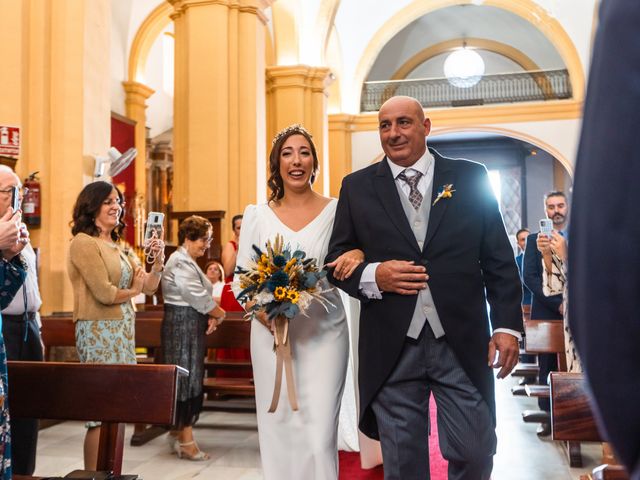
(145, 37)
(526, 9)
(431, 51)
(562, 159)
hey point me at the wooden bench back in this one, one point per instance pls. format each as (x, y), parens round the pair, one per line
(88, 391)
(571, 415)
(113, 394)
(59, 330)
(546, 336)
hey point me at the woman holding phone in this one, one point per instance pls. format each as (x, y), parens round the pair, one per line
(105, 276)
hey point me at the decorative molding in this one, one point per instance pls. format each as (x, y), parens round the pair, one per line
(473, 116)
(145, 37)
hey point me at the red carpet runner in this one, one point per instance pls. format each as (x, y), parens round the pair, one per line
(350, 461)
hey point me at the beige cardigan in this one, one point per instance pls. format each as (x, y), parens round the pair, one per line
(94, 269)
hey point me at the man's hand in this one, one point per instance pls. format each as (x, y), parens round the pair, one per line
(9, 230)
(559, 245)
(401, 276)
(346, 263)
(507, 346)
(543, 242)
(23, 239)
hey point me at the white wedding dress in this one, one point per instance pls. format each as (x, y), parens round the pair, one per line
(301, 444)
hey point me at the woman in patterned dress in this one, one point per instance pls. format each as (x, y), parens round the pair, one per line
(12, 275)
(105, 277)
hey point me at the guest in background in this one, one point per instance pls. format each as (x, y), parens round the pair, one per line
(554, 282)
(215, 273)
(105, 276)
(544, 307)
(12, 275)
(190, 313)
(521, 238)
(230, 250)
(21, 332)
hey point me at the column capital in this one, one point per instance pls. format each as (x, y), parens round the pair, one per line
(137, 93)
(297, 76)
(255, 7)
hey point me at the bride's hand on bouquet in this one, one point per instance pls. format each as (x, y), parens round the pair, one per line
(263, 318)
(345, 264)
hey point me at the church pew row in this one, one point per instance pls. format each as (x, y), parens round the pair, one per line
(112, 394)
(234, 332)
(572, 420)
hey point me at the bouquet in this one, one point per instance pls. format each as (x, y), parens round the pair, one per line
(282, 283)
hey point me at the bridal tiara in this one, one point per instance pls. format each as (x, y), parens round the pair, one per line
(296, 127)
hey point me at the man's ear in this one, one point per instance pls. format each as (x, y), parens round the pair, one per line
(427, 126)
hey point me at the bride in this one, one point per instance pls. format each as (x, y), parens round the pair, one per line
(299, 444)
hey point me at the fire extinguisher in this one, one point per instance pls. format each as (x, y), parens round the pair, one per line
(31, 201)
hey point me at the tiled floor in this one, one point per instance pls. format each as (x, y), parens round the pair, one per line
(232, 441)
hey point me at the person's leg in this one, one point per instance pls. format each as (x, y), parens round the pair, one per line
(187, 446)
(401, 410)
(24, 431)
(466, 429)
(91, 441)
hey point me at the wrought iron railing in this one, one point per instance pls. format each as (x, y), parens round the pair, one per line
(501, 88)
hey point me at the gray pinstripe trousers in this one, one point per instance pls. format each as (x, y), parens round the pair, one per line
(465, 424)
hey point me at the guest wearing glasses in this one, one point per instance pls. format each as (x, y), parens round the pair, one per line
(21, 331)
(105, 276)
(190, 313)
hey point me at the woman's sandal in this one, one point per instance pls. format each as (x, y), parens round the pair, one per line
(199, 456)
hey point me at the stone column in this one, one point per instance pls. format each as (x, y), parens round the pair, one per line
(340, 129)
(59, 95)
(136, 106)
(218, 103)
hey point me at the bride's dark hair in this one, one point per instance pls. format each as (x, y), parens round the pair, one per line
(275, 179)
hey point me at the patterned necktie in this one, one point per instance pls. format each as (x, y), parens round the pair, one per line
(415, 197)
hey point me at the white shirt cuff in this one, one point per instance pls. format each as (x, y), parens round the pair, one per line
(368, 286)
(509, 331)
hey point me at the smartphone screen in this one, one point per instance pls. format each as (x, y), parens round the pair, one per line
(155, 221)
(546, 226)
(15, 199)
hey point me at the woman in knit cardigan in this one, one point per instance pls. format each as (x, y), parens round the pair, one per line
(105, 277)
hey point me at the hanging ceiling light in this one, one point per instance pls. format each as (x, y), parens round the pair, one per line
(463, 67)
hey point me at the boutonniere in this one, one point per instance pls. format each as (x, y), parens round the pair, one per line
(446, 191)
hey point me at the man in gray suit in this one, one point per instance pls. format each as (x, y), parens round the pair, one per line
(436, 249)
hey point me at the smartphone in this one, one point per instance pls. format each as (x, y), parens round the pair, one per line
(155, 222)
(15, 199)
(546, 226)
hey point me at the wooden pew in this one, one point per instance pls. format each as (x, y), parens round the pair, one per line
(112, 394)
(572, 420)
(59, 330)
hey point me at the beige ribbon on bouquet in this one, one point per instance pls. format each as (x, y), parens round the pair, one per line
(282, 347)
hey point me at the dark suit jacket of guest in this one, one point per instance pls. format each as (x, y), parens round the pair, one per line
(466, 251)
(542, 308)
(604, 258)
(526, 293)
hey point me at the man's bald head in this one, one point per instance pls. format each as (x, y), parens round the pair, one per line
(403, 129)
(403, 101)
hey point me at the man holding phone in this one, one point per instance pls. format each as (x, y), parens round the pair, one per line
(21, 322)
(542, 307)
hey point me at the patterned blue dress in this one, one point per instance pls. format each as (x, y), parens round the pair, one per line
(12, 275)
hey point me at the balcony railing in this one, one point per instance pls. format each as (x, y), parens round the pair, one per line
(502, 88)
